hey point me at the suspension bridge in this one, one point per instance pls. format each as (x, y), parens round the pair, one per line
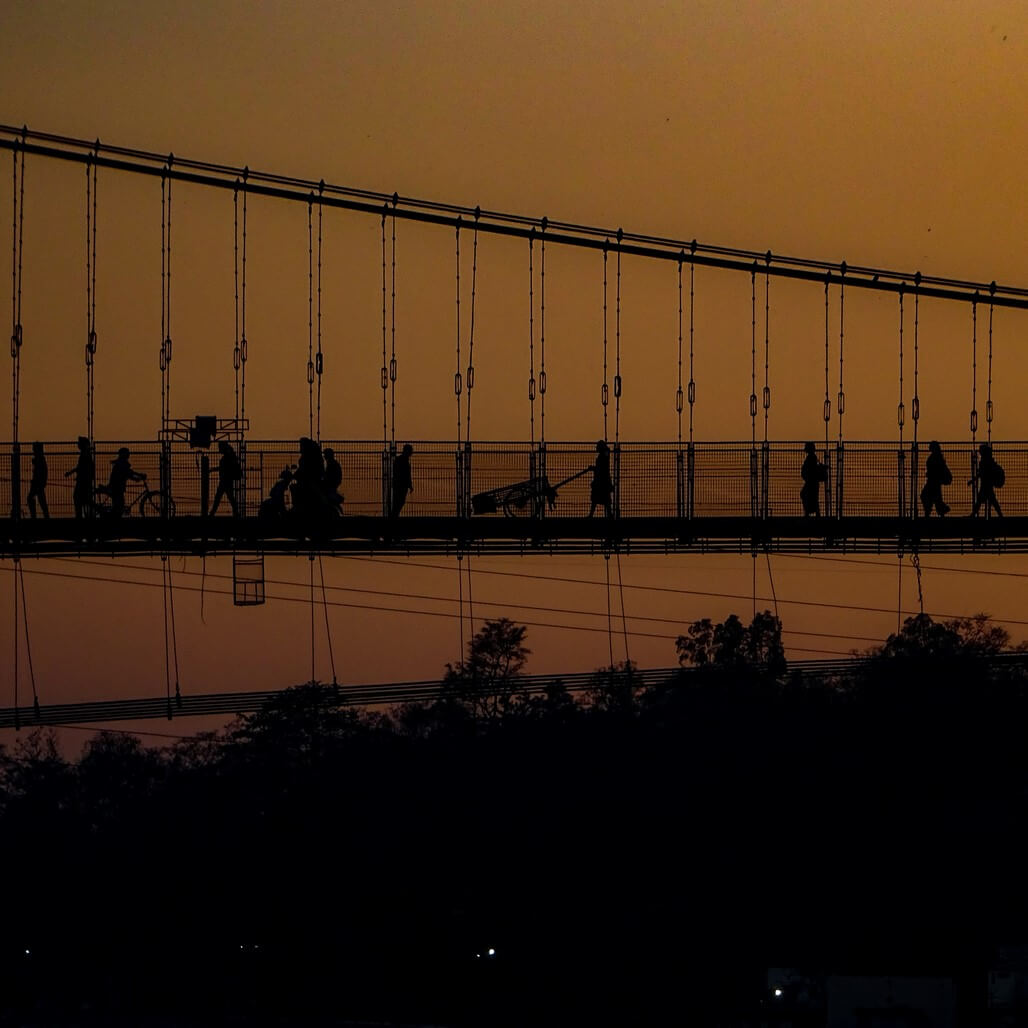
(203, 485)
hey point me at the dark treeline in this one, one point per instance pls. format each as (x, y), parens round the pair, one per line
(498, 858)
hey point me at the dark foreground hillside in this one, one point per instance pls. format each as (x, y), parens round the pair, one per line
(621, 858)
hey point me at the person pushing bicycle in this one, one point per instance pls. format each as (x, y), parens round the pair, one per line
(121, 475)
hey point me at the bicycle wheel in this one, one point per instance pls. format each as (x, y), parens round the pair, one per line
(150, 505)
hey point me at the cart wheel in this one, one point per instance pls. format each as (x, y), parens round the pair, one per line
(519, 506)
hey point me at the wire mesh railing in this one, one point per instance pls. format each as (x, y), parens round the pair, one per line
(509, 479)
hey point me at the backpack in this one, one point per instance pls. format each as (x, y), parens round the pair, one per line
(947, 475)
(999, 476)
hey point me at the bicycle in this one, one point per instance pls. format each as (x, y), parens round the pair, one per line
(147, 502)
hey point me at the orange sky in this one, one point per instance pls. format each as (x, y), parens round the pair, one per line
(883, 134)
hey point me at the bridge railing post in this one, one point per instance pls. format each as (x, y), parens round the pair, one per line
(539, 500)
(973, 481)
(765, 480)
(690, 482)
(915, 463)
(16, 481)
(239, 487)
(466, 481)
(164, 474)
(388, 456)
(901, 482)
(680, 503)
(205, 484)
(839, 475)
(828, 481)
(458, 481)
(617, 481)
(754, 483)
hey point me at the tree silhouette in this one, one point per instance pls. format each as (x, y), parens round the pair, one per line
(730, 643)
(488, 682)
(921, 636)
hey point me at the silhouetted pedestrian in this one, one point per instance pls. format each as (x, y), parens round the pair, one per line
(275, 504)
(936, 475)
(37, 486)
(403, 483)
(602, 486)
(333, 478)
(121, 475)
(229, 472)
(85, 475)
(813, 473)
(308, 480)
(990, 478)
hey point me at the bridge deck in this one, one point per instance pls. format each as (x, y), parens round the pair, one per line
(508, 497)
(448, 536)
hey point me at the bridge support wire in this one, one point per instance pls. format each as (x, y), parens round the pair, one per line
(22, 615)
(624, 619)
(610, 625)
(170, 636)
(328, 629)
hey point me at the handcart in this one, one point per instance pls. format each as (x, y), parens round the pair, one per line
(522, 499)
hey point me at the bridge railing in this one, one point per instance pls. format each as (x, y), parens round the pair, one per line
(716, 479)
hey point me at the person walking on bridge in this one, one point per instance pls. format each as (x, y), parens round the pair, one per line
(990, 478)
(602, 486)
(229, 472)
(813, 473)
(403, 482)
(936, 475)
(85, 474)
(37, 486)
